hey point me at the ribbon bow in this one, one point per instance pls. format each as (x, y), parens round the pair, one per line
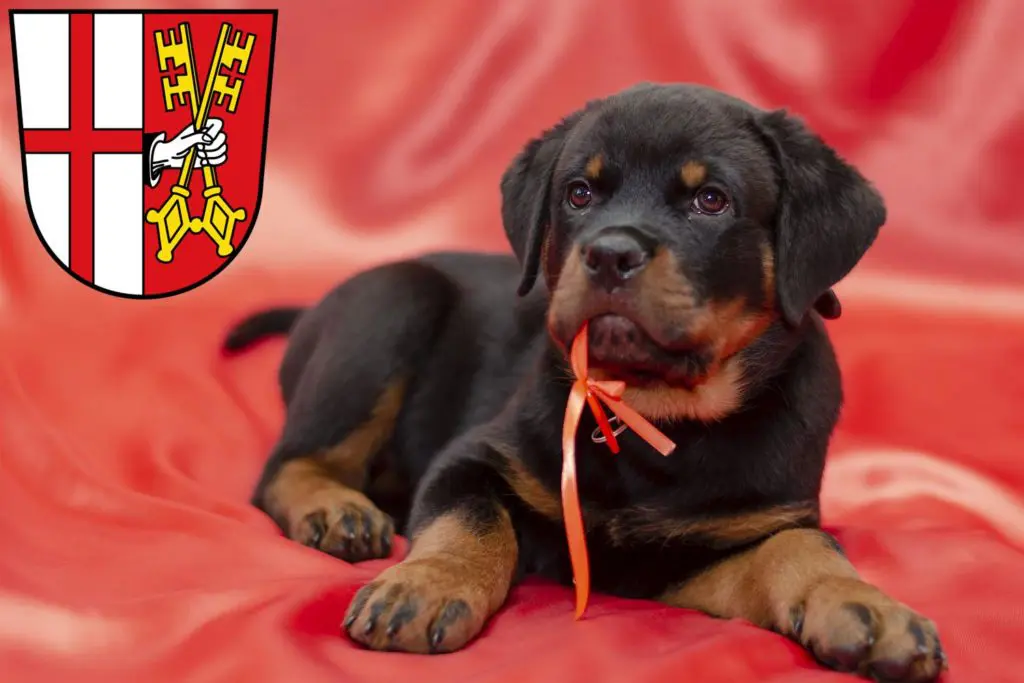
(589, 391)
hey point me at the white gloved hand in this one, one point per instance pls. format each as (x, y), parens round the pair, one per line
(211, 143)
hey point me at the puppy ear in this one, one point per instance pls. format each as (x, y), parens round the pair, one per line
(828, 306)
(828, 215)
(526, 198)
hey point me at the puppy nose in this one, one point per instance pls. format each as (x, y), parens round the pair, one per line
(613, 257)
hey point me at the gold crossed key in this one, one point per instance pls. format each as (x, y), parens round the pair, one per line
(173, 220)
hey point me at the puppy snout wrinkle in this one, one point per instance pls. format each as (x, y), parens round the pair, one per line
(613, 256)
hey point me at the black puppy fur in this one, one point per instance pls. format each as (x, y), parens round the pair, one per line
(464, 455)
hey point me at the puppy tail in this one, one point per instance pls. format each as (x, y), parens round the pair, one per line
(267, 323)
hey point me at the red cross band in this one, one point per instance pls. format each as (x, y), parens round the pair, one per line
(81, 141)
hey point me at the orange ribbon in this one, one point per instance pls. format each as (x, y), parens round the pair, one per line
(587, 390)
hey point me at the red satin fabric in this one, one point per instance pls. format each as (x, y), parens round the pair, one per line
(128, 446)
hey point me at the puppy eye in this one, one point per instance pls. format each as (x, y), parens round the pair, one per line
(578, 194)
(711, 201)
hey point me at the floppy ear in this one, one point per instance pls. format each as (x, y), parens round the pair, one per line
(526, 198)
(828, 215)
(828, 306)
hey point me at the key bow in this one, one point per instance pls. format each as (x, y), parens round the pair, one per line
(219, 217)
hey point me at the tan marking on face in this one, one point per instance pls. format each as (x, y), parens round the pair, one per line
(664, 294)
(651, 525)
(663, 290)
(693, 174)
(571, 288)
(592, 171)
(728, 326)
(713, 400)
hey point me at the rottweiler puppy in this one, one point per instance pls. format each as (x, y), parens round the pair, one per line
(700, 237)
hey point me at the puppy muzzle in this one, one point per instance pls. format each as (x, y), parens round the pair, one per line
(640, 309)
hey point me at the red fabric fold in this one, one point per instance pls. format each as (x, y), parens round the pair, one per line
(129, 446)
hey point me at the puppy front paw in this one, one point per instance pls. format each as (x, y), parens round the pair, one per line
(852, 626)
(426, 606)
(344, 523)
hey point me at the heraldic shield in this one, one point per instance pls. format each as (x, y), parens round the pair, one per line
(143, 140)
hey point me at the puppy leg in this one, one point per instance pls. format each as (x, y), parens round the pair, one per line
(458, 571)
(798, 583)
(315, 494)
(344, 379)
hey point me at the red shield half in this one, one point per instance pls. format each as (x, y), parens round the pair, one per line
(143, 139)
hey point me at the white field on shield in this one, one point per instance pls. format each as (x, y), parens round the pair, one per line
(117, 84)
(117, 219)
(48, 177)
(43, 75)
(42, 52)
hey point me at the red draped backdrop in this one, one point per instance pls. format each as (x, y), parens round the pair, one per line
(128, 445)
